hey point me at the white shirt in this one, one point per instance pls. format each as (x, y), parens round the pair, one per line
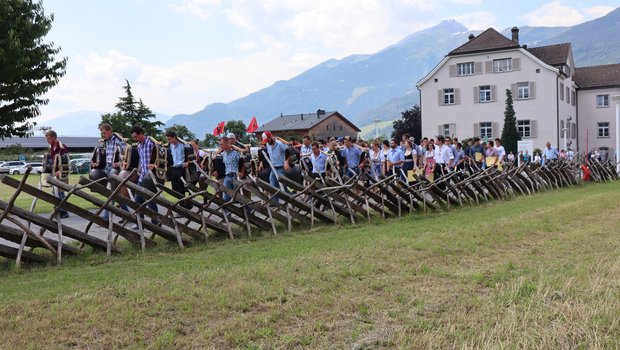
(443, 154)
(501, 152)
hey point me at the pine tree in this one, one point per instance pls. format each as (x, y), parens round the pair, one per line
(510, 134)
(28, 67)
(131, 112)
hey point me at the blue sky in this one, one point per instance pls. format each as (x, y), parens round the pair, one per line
(180, 55)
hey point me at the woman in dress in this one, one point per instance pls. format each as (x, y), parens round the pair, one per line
(429, 161)
(410, 154)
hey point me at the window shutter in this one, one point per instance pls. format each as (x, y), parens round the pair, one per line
(476, 129)
(477, 67)
(440, 97)
(493, 93)
(452, 69)
(452, 130)
(440, 129)
(533, 129)
(457, 96)
(488, 67)
(513, 87)
(532, 89)
(495, 130)
(476, 94)
(516, 64)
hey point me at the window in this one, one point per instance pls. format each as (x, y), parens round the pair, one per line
(561, 92)
(448, 96)
(603, 129)
(567, 95)
(446, 130)
(602, 101)
(465, 69)
(502, 65)
(525, 128)
(523, 91)
(573, 98)
(486, 130)
(485, 93)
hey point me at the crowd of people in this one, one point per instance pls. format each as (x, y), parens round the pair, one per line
(405, 158)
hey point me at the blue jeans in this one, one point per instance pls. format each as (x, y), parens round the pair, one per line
(140, 200)
(273, 179)
(228, 183)
(106, 213)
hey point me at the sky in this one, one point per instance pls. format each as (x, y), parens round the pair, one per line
(180, 55)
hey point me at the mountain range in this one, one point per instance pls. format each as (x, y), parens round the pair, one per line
(364, 88)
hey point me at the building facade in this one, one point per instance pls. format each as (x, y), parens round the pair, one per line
(464, 95)
(596, 107)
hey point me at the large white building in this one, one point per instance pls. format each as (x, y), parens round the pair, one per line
(464, 95)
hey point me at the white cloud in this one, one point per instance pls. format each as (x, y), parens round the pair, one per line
(95, 81)
(553, 14)
(598, 11)
(477, 20)
(202, 9)
(468, 2)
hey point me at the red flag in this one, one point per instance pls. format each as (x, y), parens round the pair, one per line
(219, 129)
(253, 125)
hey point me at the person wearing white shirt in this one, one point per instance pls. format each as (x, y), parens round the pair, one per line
(443, 157)
(501, 151)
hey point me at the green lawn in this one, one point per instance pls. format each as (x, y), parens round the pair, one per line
(534, 272)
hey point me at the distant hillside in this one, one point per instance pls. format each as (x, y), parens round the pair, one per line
(595, 42)
(381, 85)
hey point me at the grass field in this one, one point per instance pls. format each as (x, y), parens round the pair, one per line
(537, 272)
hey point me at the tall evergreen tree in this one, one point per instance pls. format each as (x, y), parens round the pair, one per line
(510, 134)
(131, 112)
(410, 123)
(28, 67)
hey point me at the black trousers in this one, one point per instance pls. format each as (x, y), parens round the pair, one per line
(176, 174)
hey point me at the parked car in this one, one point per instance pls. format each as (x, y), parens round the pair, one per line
(37, 168)
(5, 167)
(80, 165)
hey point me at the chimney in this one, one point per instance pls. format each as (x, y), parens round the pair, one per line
(471, 37)
(515, 34)
(302, 116)
(280, 115)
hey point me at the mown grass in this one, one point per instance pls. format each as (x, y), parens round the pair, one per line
(534, 272)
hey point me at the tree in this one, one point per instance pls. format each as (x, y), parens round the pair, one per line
(238, 128)
(510, 134)
(182, 132)
(131, 112)
(410, 123)
(28, 67)
(210, 141)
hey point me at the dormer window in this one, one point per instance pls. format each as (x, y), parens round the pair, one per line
(502, 65)
(465, 68)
